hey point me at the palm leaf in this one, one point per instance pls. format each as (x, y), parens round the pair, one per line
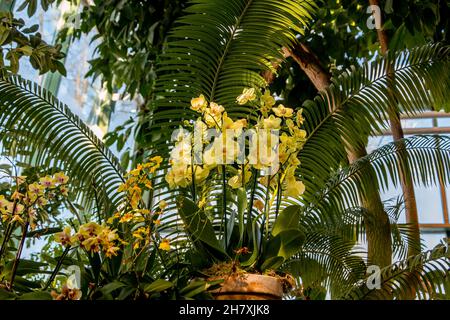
(427, 274)
(357, 102)
(217, 49)
(42, 131)
(427, 156)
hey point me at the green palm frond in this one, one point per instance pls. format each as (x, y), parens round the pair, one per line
(222, 46)
(42, 131)
(330, 260)
(426, 274)
(402, 234)
(330, 256)
(426, 155)
(217, 49)
(357, 102)
(335, 212)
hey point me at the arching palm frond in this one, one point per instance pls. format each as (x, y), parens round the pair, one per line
(426, 274)
(217, 49)
(222, 46)
(42, 131)
(426, 155)
(357, 102)
(329, 261)
(334, 212)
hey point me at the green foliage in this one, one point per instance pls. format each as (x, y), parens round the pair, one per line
(217, 48)
(287, 239)
(425, 274)
(357, 103)
(45, 132)
(339, 37)
(199, 228)
(130, 44)
(425, 157)
(18, 41)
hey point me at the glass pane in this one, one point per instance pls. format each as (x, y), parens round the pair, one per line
(443, 122)
(377, 142)
(417, 123)
(431, 239)
(429, 205)
(75, 90)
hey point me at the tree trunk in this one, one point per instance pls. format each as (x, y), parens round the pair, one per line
(377, 225)
(397, 133)
(407, 183)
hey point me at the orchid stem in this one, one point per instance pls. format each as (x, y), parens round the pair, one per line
(224, 206)
(250, 205)
(278, 197)
(58, 266)
(8, 233)
(18, 254)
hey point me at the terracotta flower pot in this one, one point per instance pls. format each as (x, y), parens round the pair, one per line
(249, 287)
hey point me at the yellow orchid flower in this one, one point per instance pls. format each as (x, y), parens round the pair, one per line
(165, 245)
(212, 120)
(236, 181)
(89, 229)
(202, 203)
(21, 179)
(91, 244)
(17, 208)
(60, 178)
(294, 161)
(272, 123)
(299, 134)
(127, 217)
(36, 189)
(294, 188)
(111, 251)
(136, 195)
(107, 235)
(179, 176)
(199, 104)
(41, 201)
(267, 100)
(248, 94)
(262, 154)
(136, 172)
(17, 195)
(200, 173)
(17, 218)
(258, 204)
(64, 191)
(216, 109)
(4, 203)
(157, 160)
(236, 126)
(47, 182)
(137, 235)
(182, 152)
(299, 118)
(65, 237)
(282, 111)
(290, 124)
